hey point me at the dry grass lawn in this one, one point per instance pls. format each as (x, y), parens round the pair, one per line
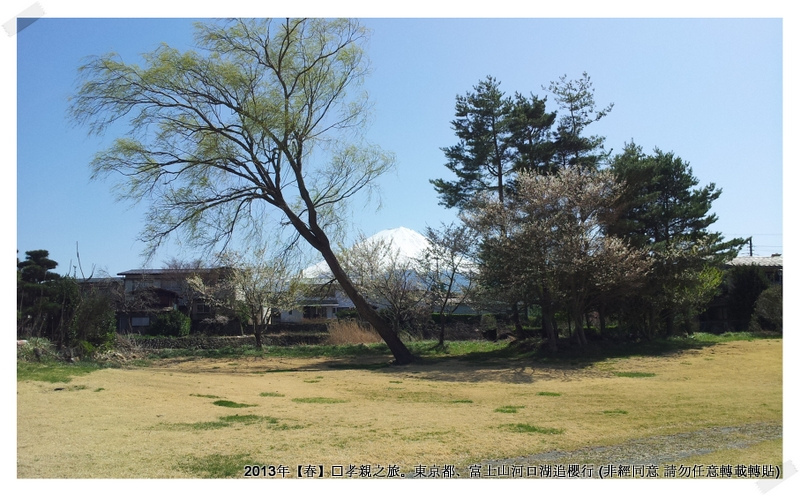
(162, 421)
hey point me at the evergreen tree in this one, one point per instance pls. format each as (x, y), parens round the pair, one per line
(530, 135)
(664, 212)
(482, 159)
(45, 300)
(577, 110)
(36, 310)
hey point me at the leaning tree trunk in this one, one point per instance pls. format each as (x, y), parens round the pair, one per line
(316, 238)
(401, 353)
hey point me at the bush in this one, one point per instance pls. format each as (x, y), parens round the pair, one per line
(768, 312)
(463, 318)
(93, 325)
(488, 322)
(347, 314)
(36, 350)
(172, 323)
(744, 285)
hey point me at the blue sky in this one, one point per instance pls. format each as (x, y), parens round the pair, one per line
(709, 90)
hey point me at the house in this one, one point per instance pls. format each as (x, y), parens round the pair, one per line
(148, 292)
(771, 266)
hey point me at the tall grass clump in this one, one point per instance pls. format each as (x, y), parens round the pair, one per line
(351, 332)
(36, 350)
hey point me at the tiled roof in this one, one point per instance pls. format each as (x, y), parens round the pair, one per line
(150, 272)
(773, 261)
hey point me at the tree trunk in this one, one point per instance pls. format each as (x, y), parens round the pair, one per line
(578, 316)
(547, 322)
(669, 321)
(601, 313)
(518, 330)
(442, 318)
(257, 334)
(316, 238)
(401, 353)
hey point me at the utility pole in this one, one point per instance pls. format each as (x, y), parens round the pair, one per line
(750, 240)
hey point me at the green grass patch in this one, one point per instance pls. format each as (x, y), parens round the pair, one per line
(218, 466)
(139, 362)
(99, 389)
(295, 351)
(509, 409)
(615, 412)
(455, 348)
(205, 396)
(196, 426)
(634, 374)
(547, 393)
(248, 419)
(318, 399)
(311, 381)
(232, 404)
(419, 397)
(272, 395)
(528, 428)
(53, 372)
(461, 401)
(223, 422)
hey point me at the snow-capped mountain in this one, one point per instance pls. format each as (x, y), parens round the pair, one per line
(407, 243)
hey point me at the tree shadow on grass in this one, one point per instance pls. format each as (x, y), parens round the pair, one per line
(476, 361)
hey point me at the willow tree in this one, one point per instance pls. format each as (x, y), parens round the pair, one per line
(264, 118)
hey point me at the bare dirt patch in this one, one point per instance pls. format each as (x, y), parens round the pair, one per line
(162, 421)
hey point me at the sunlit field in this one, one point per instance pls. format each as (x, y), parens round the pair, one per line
(450, 414)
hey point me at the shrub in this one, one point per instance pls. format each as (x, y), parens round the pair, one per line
(347, 314)
(471, 319)
(768, 312)
(36, 349)
(488, 322)
(744, 285)
(172, 323)
(93, 325)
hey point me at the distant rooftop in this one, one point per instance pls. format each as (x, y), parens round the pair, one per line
(773, 261)
(150, 272)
